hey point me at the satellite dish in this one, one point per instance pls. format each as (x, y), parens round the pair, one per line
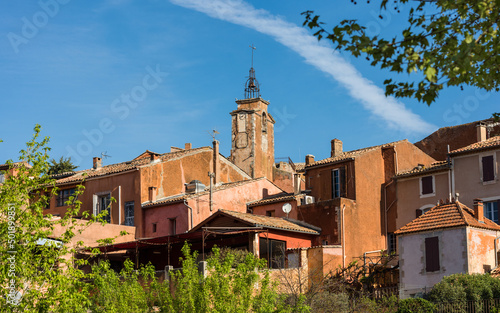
(287, 207)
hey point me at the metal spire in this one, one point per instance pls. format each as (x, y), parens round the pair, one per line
(252, 89)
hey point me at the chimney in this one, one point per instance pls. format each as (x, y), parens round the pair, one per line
(97, 162)
(478, 210)
(216, 165)
(188, 146)
(296, 183)
(309, 159)
(336, 147)
(154, 157)
(152, 194)
(481, 132)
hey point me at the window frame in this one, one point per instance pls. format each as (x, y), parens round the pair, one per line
(433, 184)
(486, 201)
(129, 218)
(62, 199)
(2, 177)
(97, 204)
(336, 186)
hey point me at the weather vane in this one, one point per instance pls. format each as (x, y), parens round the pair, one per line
(253, 48)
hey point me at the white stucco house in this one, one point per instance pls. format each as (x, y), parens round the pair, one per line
(450, 238)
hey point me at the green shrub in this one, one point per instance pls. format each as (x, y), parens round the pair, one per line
(416, 305)
(465, 287)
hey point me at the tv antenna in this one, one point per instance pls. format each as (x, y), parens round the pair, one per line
(213, 133)
(104, 155)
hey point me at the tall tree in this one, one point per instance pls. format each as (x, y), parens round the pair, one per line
(63, 166)
(446, 43)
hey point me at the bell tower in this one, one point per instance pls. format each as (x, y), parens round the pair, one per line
(253, 131)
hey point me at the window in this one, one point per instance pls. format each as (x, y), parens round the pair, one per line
(129, 213)
(2, 178)
(103, 204)
(273, 251)
(432, 254)
(154, 227)
(335, 184)
(491, 210)
(270, 213)
(488, 168)
(64, 195)
(391, 243)
(427, 186)
(423, 210)
(338, 183)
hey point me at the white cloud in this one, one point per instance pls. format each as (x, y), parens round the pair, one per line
(318, 54)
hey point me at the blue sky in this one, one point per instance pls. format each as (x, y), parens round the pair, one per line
(123, 76)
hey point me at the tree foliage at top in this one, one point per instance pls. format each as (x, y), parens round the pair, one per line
(446, 43)
(63, 166)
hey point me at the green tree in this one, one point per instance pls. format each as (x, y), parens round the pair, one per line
(445, 43)
(64, 165)
(35, 271)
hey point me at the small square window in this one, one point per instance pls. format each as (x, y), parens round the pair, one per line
(154, 227)
(64, 195)
(270, 213)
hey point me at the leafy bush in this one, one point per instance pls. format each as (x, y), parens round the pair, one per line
(416, 305)
(465, 287)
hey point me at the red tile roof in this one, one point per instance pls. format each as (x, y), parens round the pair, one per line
(491, 143)
(276, 198)
(417, 171)
(448, 215)
(349, 155)
(265, 222)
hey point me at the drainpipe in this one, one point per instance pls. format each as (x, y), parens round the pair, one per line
(386, 209)
(343, 239)
(450, 195)
(190, 214)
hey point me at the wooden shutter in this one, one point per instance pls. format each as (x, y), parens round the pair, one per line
(343, 182)
(427, 185)
(488, 173)
(432, 254)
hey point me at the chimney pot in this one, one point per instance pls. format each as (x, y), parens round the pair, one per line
(478, 210)
(481, 132)
(336, 147)
(97, 162)
(309, 159)
(188, 146)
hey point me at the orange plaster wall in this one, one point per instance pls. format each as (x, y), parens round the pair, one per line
(409, 199)
(293, 240)
(129, 185)
(480, 249)
(277, 208)
(233, 199)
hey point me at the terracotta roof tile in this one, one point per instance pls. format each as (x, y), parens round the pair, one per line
(276, 198)
(491, 143)
(449, 215)
(416, 171)
(352, 154)
(272, 222)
